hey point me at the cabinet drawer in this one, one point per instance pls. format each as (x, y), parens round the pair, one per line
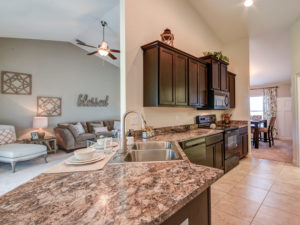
(243, 130)
(214, 139)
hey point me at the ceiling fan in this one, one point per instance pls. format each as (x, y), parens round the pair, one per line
(102, 49)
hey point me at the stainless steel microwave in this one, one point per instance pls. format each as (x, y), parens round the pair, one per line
(219, 99)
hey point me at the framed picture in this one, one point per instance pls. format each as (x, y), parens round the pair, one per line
(48, 106)
(34, 136)
(16, 83)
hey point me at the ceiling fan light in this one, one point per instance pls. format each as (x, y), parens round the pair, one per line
(104, 45)
(103, 52)
(248, 3)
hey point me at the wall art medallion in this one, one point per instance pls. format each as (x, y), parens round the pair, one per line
(48, 106)
(85, 101)
(16, 83)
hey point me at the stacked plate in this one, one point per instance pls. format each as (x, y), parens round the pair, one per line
(74, 161)
(112, 145)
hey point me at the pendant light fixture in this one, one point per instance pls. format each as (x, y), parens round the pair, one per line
(248, 3)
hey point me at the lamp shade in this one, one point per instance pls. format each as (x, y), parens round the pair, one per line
(40, 122)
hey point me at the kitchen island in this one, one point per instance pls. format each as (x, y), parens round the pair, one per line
(121, 193)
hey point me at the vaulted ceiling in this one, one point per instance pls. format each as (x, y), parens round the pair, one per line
(266, 23)
(62, 20)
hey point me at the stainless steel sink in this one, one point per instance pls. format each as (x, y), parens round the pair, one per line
(152, 145)
(152, 155)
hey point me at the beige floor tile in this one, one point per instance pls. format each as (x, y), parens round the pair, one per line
(222, 218)
(216, 196)
(282, 202)
(290, 174)
(258, 182)
(291, 190)
(268, 215)
(248, 192)
(223, 185)
(236, 206)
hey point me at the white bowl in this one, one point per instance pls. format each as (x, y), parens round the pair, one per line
(84, 153)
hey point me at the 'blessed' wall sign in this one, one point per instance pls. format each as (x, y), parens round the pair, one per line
(85, 101)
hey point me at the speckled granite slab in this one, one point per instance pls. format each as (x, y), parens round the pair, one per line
(121, 194)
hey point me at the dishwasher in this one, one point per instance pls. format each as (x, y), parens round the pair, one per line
(196, 151)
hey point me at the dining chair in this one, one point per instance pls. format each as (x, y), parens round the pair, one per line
(269, 131)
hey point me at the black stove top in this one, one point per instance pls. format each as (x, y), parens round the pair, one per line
(207, 120)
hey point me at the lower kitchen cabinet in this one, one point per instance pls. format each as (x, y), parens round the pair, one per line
(243, 142)
(197, 211)
(215, 145)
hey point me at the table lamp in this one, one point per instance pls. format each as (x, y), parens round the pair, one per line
(40, 123)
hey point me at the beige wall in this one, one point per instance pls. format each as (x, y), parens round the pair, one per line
(58, 69)
(295, 56)
(145, 21)
(238, 53)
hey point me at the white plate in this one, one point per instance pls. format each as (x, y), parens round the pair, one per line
(73, 161)
(97, 146)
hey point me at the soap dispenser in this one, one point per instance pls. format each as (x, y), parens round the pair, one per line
(130, 138)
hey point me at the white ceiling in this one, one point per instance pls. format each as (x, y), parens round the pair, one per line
(266, 22)
(62, 20)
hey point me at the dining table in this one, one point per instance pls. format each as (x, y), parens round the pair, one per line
(256, 124)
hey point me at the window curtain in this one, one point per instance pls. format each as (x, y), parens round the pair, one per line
(270, 105)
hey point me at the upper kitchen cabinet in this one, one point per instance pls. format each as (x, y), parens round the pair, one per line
(166, 77)
(198, 84)
(231, 88)
(218, 73)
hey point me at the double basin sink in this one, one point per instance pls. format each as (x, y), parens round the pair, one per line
(152, 151)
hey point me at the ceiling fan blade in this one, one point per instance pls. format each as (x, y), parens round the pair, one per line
(84, 44)
(112, 56)
(115, 50)
(92, 53)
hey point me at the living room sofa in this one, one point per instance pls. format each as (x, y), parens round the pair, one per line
(68, 139)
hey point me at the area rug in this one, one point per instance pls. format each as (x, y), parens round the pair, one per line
(281, 151)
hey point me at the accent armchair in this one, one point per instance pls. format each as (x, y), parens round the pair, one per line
(16, 152)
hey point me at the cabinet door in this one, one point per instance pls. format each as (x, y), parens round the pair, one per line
(215, 75)
(203, 92)
(245, 144)
(166, 78)
(231, 89)
(181, 80)
(193, 83)
(240, 146)
(219, 155)
(223, 77)
(210, 156)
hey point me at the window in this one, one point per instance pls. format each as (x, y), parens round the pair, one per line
(256, 106)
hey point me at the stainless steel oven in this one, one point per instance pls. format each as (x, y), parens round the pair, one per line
(219, 99)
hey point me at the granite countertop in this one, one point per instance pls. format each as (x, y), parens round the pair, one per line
(124, 193)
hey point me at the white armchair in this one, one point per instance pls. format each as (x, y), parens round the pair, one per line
(15, 152)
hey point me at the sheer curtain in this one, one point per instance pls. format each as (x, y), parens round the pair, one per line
(270, 105)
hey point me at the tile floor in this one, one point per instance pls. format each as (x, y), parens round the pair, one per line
(258, 192)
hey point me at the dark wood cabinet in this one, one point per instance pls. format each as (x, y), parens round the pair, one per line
(231, 88)
(223, 77)
(210, 156)
(215, 144)
(198, 92)
(243, 141)
(166, 81)
(181, 80)
(197, 211)
(166, 77)
(219, 155)
(218, 73)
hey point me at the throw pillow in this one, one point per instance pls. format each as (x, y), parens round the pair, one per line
(6, 136)
(100, 129)
(117, 125)
(79, 128)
